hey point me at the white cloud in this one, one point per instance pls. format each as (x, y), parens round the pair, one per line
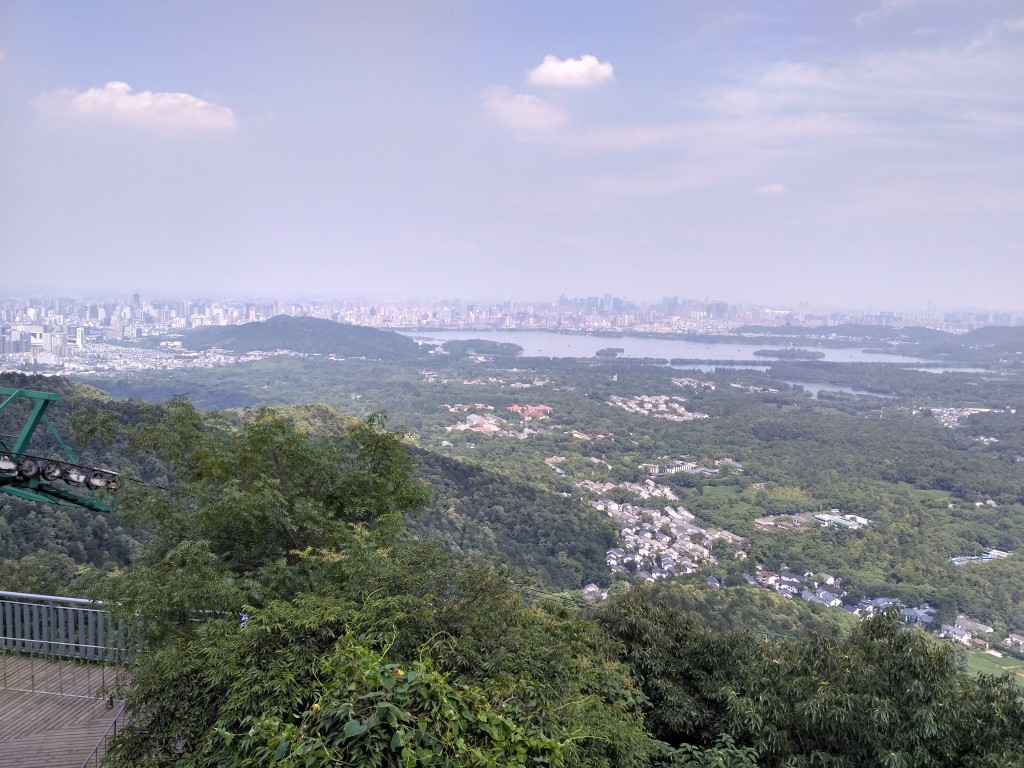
(854, 113)
(913, 91)
(583, 72)
(2, 55)
(522, 112)
(168, 113)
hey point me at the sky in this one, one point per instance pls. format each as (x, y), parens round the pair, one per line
(860, 153)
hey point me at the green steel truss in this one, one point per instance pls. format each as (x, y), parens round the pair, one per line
(56, 478)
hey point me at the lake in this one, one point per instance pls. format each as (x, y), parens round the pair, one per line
(551, 344)
(814, 387)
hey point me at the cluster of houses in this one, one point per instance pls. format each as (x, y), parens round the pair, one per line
(488, 423)
(820, 588)
(529, 412)
(951, 417)
(824, 589)
(659, 544)
(657, 406)
(690, 467)
(694, 383)
(466, 408)
(966, 631)
(649, 490)
(526, 382)
(975, 634)
(1014, 642)
(433, 377)
(797, 521)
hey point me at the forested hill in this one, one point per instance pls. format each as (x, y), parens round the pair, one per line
(361, 645)
(360, 648)
(304, 334)
(474, 511)
(478, 512)
(50, 549)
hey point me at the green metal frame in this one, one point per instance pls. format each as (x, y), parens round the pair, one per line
(36, 488)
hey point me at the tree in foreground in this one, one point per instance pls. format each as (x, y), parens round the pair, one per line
(881, 695)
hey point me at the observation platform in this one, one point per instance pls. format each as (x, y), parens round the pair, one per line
(54, 713)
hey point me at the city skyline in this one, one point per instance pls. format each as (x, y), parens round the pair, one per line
(858, 155)
(919, 310)
(69, 334)
(146, 309)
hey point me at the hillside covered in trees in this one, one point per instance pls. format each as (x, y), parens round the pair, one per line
(287, 623)
(304, 334)
(289, 618)
(558, 542)
(919, 453)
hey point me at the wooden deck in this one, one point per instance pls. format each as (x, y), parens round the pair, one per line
(50, 712)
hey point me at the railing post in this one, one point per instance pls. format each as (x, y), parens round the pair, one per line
(58, 627)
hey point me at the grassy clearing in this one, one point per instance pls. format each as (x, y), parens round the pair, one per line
(726, 492)
(982, 663)
(926, 494)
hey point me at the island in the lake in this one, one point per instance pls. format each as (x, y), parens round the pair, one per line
(791, 354)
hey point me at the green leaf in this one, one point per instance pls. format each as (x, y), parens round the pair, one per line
(354, 728)
(282, 749)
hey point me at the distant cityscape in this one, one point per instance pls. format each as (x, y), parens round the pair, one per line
(84, 333)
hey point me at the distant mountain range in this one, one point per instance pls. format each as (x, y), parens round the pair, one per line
(305, 334)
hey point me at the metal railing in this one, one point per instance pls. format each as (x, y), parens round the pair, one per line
(95, 758)
(59, 628)
(64, 646)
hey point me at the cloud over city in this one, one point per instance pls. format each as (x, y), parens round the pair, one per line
(155, 112)
(583, 72)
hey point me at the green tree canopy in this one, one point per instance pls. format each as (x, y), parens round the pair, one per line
(881, 695)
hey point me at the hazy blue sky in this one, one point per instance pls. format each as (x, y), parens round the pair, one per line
(867, 152)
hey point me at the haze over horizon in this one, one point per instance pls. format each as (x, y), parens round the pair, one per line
(868, 153)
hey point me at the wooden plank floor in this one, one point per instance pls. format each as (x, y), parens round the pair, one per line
(32, 673)
(46, 729)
